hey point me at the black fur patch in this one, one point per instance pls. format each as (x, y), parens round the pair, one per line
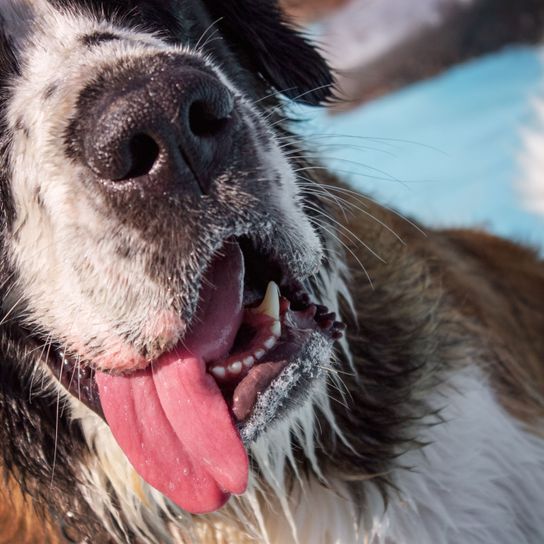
(50, 90)
(21, 127)
(46, 468)
(280, 53)
(97, 38)
(168, 17)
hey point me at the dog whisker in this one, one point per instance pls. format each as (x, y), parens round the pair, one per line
(361, 198)
(388, 177)
(343, 229)
(321, 226)
(344, 204)
(392, 142)
(213, 25)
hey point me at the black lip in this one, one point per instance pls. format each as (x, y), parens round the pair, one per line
(241, 391)
(77, 377)
(291, 387)
(302, 370)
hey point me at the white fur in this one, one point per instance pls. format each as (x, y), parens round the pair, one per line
(480, 480)
(76, 285)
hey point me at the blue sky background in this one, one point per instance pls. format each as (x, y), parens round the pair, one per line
(445, 151)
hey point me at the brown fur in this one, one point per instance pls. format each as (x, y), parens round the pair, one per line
(438, 299)
(443, 297)
(20, 522)
(502, 286)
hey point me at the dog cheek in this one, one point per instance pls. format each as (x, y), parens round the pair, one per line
(303, 248)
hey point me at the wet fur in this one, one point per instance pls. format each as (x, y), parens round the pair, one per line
(429, 430)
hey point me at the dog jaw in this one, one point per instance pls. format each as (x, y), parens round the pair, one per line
(87, 276)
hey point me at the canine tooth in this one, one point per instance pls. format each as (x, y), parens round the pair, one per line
(270, 305)
(275, 329)
(249, 362)
(270, 342)
(219, 372)
(235, 368)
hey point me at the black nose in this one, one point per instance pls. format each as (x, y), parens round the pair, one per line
(167, 130)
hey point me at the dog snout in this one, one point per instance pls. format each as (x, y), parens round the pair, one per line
(167, 129)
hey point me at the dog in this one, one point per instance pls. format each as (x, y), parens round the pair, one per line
(191, 353)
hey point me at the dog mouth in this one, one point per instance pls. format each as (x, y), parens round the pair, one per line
(184, 421)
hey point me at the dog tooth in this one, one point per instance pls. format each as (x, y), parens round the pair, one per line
(275, 329)
(270, 342)
(259, 354)
(270, 306)
(235, 368)
(219, 372)
(249, 361)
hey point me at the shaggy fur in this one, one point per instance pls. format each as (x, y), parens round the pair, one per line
(425, 425)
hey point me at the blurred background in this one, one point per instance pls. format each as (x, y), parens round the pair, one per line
(442, 115)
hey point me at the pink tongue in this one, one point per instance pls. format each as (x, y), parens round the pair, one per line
(171, 419)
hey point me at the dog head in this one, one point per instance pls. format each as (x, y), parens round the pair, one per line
(156, 244)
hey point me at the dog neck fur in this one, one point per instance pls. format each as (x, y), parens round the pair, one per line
(446, 491)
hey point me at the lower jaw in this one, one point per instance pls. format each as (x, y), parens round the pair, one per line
(291, 379)
(206, 424)
(285, 372)
(290, 389)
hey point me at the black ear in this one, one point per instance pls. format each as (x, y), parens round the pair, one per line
(278, 51)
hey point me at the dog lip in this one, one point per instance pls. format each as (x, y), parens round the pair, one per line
(242, 394)
(299, 317)
(268, 342)
(78, 378)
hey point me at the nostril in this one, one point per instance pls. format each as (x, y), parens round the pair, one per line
(179, 141)
(144, 152)
(204, 121)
